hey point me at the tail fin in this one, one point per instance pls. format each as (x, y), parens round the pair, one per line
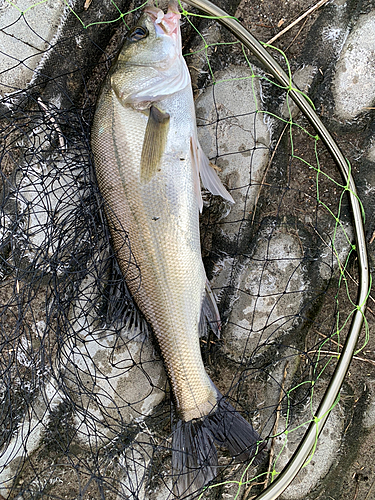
(194, 456)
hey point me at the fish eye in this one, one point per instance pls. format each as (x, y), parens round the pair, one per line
(137, 34)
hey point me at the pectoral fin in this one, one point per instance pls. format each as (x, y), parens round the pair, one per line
(154, 143)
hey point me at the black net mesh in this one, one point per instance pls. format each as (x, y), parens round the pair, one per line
(85, 402)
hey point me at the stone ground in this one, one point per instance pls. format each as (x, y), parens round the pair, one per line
(331, 55)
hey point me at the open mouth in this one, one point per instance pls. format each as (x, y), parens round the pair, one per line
(168, 23)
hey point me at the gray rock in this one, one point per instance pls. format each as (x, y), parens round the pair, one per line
(116, 370)
(239, 142)
(369, 416)
(163, 490)
(133, 467)
(325, 453)
(371, 153)
(354, 84)
(46, 190)
(112, 376)
(302, 79)
(336, 249)
(271, 286)
(28, 436)
(25, 38)
(289, 429)
(123, 378)
(280, 377)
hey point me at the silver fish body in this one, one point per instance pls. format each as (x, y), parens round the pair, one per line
(148, 160)
(160, 219)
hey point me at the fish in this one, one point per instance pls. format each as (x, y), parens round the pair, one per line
(148, 164)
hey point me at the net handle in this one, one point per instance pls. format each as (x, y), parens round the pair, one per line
(308, 442)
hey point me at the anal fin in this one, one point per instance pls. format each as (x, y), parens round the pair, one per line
(209, 313)
(154, 143)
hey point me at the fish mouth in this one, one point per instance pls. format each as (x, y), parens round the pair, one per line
(165, 24)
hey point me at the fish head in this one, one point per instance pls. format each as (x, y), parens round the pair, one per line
(155, 40)
(150, 65)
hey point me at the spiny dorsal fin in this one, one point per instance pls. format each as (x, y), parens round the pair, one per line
(154, 143)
